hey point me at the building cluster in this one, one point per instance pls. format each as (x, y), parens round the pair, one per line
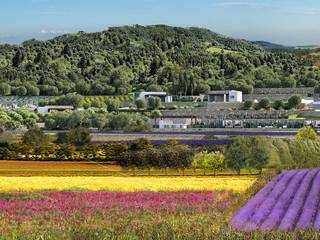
(220, 108)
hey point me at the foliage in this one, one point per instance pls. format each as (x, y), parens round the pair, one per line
(294, 101)
(247, 105)
(78, 136)
(95, 118)
(141, 104)
(154, 103)
(15, 119)
(35, 137)
(260, 152)
(208, 161)
(278, 104)
(263, 104)
(306, 133)
(178, 60)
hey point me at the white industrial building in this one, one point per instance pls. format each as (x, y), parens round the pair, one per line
(170, 124)
(47, 109)
(162, 95)
(225, 96)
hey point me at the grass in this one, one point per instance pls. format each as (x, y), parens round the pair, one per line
(125, 184)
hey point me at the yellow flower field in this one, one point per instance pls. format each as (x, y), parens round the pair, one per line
(127, 184)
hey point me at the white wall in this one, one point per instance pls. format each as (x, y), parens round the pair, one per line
(235, 96)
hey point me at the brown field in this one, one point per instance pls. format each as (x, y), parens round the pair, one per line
(33, 168)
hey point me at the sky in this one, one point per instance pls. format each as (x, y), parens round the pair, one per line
(288, 22)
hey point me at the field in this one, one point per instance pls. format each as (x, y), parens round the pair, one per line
(290, 201)
(60, 169)
(78, 204)
(107, 215)
(127, 184)
(74, 202)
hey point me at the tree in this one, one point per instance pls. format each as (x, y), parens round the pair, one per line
(264, 104)
(306, 133)
(236, 155)
(214, 162)
(73, 99)
(208, 161)
(198, 161)
(277, 105)
(18, 58)
(294, 101)
(32, 90)
(141, 104)
(154, 103)
(154, 88)
(19, 91)
(155, 114)
(247, 105)
(112, 106)
(5, 89)
(259, 154)
(35, 138)
(79, 136)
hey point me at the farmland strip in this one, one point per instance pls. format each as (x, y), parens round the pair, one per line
(247, 210)
(283, 203)
(295, 208)
(265, 208)
(311, 205)
(316, 223)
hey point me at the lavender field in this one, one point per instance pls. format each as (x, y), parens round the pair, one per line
(289, 202)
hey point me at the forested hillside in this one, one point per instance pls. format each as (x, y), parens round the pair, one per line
(125, 59)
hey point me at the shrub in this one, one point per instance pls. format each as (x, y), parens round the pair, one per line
(247, 105)
(306, 133)
(294, 101)
(208, 161)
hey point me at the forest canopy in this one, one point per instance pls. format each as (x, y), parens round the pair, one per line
(182, 61)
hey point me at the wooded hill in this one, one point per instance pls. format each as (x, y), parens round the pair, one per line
(183, 61)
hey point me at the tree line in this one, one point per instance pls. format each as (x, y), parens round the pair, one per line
(280, 153)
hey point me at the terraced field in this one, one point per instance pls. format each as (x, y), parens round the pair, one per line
(289, 202)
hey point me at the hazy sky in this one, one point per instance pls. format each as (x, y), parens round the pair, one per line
(290, 22)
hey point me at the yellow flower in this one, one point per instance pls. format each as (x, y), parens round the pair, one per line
(126, 184)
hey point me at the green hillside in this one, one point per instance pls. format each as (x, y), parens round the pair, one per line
(183, 61)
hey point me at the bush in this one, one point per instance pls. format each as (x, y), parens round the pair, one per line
(208, 161)
(264, 104)
(154, 103)
(141, 104)
(306, 133)
(247, 105)
(78, 136)
(294, 102)
(277, 105)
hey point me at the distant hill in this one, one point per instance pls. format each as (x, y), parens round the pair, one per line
(269, 45)
(182, 61)
(310, 47)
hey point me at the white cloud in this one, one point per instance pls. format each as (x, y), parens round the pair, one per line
(46, 31)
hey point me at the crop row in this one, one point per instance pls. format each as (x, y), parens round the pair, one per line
(290, 201)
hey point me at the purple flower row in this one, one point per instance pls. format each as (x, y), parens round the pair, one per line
(208, 133)
(187, 142)
(290, 201)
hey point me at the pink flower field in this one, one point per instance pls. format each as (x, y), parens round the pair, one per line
(121, 212)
